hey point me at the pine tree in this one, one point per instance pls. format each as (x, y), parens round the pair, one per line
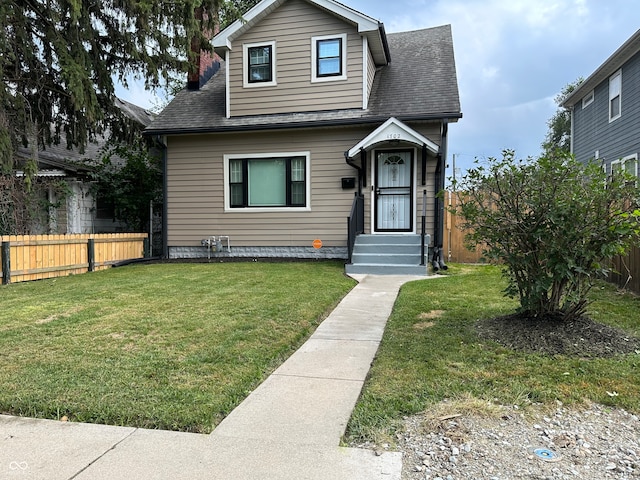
(60, 61)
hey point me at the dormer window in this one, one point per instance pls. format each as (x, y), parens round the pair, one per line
(329, 53)
(259, 64)
(329, 58)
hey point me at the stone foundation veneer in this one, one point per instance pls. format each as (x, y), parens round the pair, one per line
(323, 253)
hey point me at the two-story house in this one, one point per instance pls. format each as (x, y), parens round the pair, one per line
(605, 111)
(316, 115)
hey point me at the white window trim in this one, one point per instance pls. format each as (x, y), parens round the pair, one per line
(314, 59)
(622, 161)
(617, 74)
(588, 99)
(245, 65)
(240, 156)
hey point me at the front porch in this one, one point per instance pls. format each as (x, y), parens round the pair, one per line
(393, 163)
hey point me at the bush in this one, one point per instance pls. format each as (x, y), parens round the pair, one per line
(553, 223)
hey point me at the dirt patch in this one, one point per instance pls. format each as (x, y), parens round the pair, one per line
(57, 316)
(581, 337)
(431, 315)
(423, 325)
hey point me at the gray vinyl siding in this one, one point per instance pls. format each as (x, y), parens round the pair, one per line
(291, 26)
(195, 184)
(592, 130)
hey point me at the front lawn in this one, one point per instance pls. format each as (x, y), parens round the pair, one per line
(432, 351)
(167, 346)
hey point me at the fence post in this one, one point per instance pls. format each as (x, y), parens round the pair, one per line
(6, 263)
(91, 250)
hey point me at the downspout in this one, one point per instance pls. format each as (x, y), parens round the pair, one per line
(437, 260)
(573, 108)
(165, 234)
(349, 160)
(424, 165)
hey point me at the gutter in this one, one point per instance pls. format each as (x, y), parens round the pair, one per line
(437, 260)
(300, 125)
(360, 168)
(385, 43)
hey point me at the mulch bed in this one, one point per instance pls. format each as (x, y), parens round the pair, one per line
(581, 337)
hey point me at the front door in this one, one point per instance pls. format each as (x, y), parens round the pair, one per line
(393, 191)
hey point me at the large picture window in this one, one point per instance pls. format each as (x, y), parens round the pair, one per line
(259, 64)
(267, 181)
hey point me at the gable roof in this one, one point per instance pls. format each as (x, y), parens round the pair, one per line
(420, 84)
(367, 26)
(621, 56)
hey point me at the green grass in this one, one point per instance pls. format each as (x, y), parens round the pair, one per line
(170, 346)
(430, 352)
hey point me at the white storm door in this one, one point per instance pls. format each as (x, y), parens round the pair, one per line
(393, 191)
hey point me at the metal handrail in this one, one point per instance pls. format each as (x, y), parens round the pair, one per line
(423, 234)
(355, 222)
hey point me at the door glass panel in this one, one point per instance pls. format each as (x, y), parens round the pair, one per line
(393, 191)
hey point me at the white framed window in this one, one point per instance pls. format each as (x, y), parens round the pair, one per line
(628, 164)
(588, 99)
(329, 58)
(267, 182)
(259, 64)
(615, 96)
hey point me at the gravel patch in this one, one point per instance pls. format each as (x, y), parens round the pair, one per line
(596, 443)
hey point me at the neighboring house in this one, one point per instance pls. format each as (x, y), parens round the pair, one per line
(80, 211)
(314, 110)
(605, 111)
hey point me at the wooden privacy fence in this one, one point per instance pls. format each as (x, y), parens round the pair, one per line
(453, 242)
(34, 257)
(628, 270)
(627, 267)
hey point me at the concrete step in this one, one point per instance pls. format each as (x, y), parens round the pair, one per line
(386, 258)
(379, 248)
(410, 239)
(385, 269)
(387, 255)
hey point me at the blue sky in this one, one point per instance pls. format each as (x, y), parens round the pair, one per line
(512, 57)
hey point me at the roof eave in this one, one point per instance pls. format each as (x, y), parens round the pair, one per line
(604, 71)
(450, 116)
(367, 26)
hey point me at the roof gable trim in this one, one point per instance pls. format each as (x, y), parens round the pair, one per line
(392, 130)
(225, 38)
(621, 56)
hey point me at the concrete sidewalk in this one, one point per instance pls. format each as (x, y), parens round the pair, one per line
(288, 428)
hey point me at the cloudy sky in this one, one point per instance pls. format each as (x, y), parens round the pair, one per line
(512, 56)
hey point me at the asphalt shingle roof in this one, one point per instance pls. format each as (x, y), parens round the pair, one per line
(420, 83)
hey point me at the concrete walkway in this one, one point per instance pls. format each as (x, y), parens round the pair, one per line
(289, 428)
